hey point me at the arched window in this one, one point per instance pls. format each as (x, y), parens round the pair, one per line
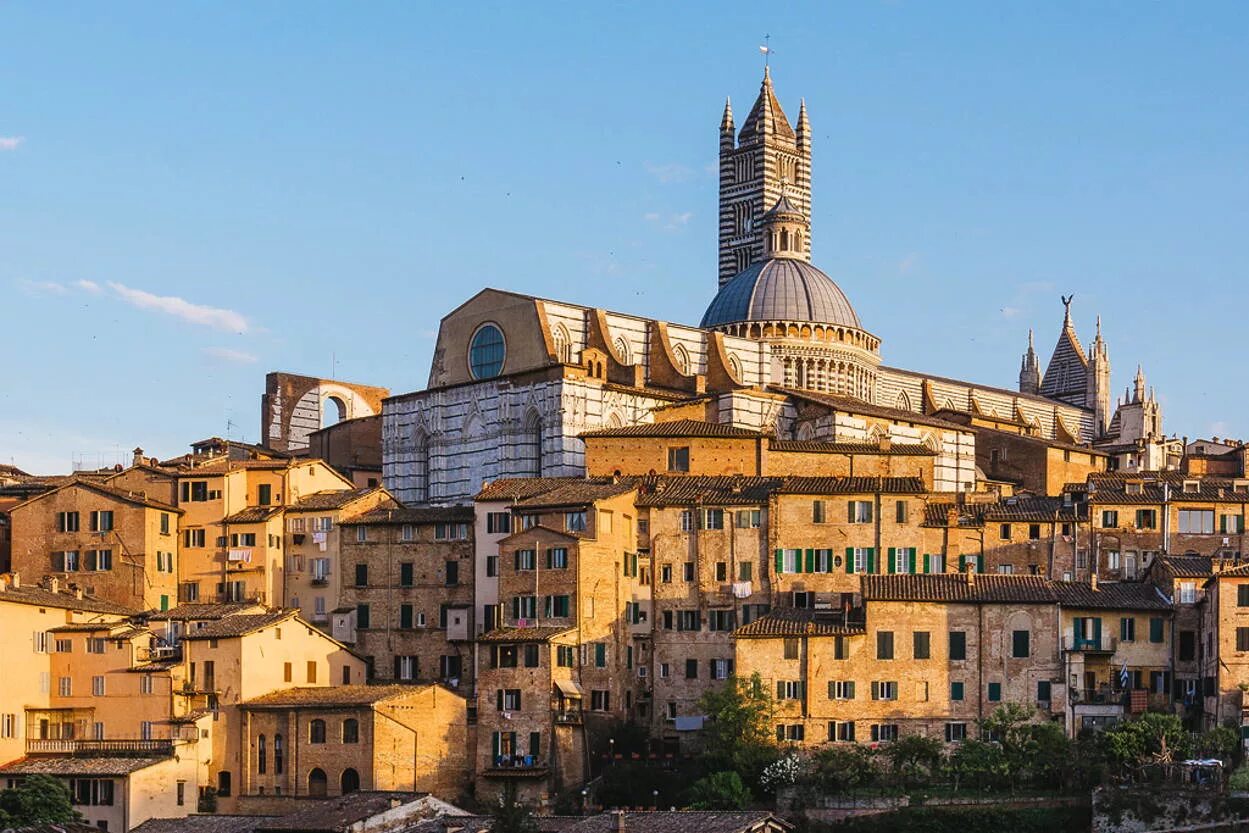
(278, 760)
(333, 411)
(351, 730)
(681, 358)
(562, 343)
(262, 763)
(316, 732)
(486, 352)
(350, 782)
(529, 449)
(622, 350)
(316, 783)
(420, 466)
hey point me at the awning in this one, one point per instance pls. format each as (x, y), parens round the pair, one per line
(688, 724)
(569, 689)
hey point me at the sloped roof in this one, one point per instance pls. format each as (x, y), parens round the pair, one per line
(519, 488)
(959, 587)
(576, 494)
(677, 428)
(331, 499)
(94, 485)
(194, 611)
(766, 107)
(851, 485)
(1184, 566)
(1111, 595)
(412, 515)
(791, 621)
(35, 595)
(100, 765)
(692, 490)
(816, 447)
(254, 514)
(334, 695)
(1029, 509)
(240, 625)
(337, 815)
(200, 824)
(538, 634)
(854, 406)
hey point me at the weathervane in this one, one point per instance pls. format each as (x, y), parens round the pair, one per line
(766, 50)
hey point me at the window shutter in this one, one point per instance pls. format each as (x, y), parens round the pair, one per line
(832, 690)
(494, 744)
(927, 563)
(979, 563)
(871, 560)
(90, 558)
(810, 561)
(397, 661)
(910, 559)
(58, 562)
(498, 698)
(893, 554)
(1222, 523)
(1097, 631)
(849, 559)
(850, 511)
(780, 690)
(875, 690)
(780, 561)
(848, 689)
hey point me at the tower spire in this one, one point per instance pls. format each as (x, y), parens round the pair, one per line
(1030, 369)
(726, 123)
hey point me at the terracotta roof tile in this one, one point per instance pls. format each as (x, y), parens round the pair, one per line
(854, 406)
(691, 490)
(791, 621)
(1111, 595)
(101, 765)
(200, 824)
(330, 499)
(851, 485)
(415, 515)
(35, 595)
(536, 634)
(959, 587)
(577, 493)
(1034, 509)
(194, 611)
(677, 428)
(337, 695)
(339, 815)
(519, 488)
(1185, 566)
(240, 625)
(254, 515)
(816, 447)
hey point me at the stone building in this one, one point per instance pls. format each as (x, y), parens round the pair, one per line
(293, 407)
(407, 593)
(313, 742)
(1223, 651)
(516, 380)
(115, 544)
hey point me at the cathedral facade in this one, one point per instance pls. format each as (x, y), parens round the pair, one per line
(516, 380)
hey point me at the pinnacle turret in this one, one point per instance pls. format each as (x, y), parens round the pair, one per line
(1030, 369)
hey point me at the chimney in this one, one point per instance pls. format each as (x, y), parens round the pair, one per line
(138, 457)
(1093, 581)
(886, 443)
(395, 801)
(16, 580)
(951, 517)
(54, 585)
(78, 593)
(971, 575)
(619, 825)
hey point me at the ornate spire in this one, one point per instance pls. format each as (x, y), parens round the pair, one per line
(1030, 369)
(766, 117)
(1138, 394)
(726, 123)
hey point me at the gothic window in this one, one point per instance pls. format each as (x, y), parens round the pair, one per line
(904, 402)
(622, 350)
(682, 359)
(529, 449)
(420, 467)
(735, 367)
(562, 343)
(743, 258)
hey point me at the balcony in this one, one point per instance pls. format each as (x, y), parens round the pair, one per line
(566, 717)
(1105, 644)
(320, 581)
(516, 766)
(155, 748)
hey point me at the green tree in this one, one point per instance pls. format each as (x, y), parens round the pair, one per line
(719, 791)
(913, 759)
(1150, 738)
(843, 766)
(38, 799)
(1219, 742)
(511, 815)
(1049, 755)
(979, 763)
(738, 732)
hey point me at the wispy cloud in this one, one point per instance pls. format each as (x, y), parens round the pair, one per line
(216, 317)
(89, 286)
(42, 287)
(11, 142)
(228, 355)
(669, 172)
(1009, 312)
(908, 263)
(668, 222)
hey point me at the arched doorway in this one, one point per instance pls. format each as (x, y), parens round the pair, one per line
(350, 781)
(317, 783)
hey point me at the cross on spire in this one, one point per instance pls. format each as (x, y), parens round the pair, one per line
(766, 49)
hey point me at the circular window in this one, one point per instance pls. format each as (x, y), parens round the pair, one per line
(486, 352)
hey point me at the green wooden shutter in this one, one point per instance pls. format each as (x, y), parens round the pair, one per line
(914, 554)
(1155, 629)
(850, 511)
(780, 561)
(1222, 523)
(927, 563)
(979, 563)
(871, 560)
(1097, 631)
(810, 561)
(893, 556)
(849, 559)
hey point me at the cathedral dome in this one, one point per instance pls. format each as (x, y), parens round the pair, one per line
(781, 289)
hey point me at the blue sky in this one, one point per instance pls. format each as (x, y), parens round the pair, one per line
(193, 194)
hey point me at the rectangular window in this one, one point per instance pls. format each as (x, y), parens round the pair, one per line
(1156, 630)
(900, 511)
(841, 731)
(859, 512)
(498, 522)
(687, 620)
(1034, 532)
(788, 690)
(691, 669)
(679, 458)
(956, 691)
(574, 521)
(721, 668)
(564, 655)
(922, 644)
(524, 560)
(1127, 629)
(65, 685)
(407, 532)
(66, 521)
(1242, 595)
(790, 647)
(559, 606)
(665, 574)
(524, 607)
(995, 692)
(600, 701)
(452, 573)
(1231, 524)
(713, 519)
(1021, 644)
(264, 495)
(1003, 532)
(95, 645)
(1197, 521)
(688, 572)
(362, 616)
(600, 654)
(1146, 518)
(97, 686)
(451, 532)
(818, 513)
(1044, 690)
(721, 620)
(1110, 518)
(1188, 646)
(507, 699)
(311, 671)
(955, 732)
(958, 645)
(749, 518)
(884, 732)
(884, 645)
(884, 690)
(841, 689)
(557, 558)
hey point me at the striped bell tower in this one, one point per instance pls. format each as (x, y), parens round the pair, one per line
(768, 159)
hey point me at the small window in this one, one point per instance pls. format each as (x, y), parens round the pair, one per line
(1003, 532)
(316, 731)
(1020, 644)
(922, 644)
(884, 645)
(958, 645)
(995, 692)
(679, 459)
